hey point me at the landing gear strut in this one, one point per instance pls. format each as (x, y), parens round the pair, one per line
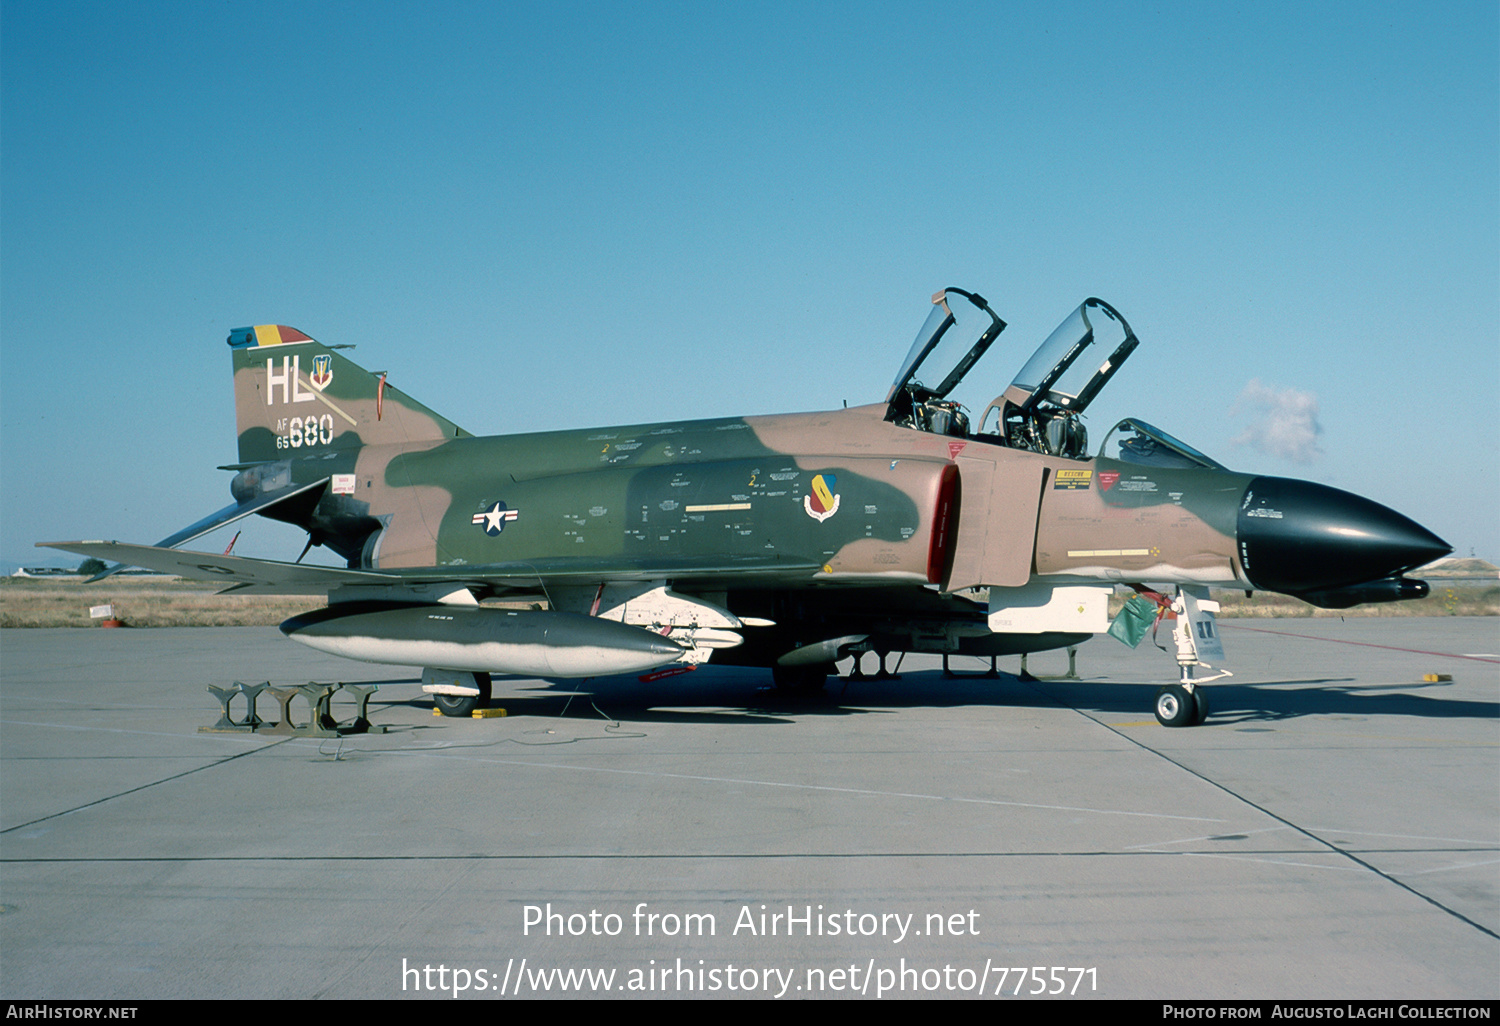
(1185, 704)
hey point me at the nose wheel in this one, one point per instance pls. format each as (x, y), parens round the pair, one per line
(1176, 706)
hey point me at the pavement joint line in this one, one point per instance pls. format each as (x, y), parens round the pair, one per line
(242, 738)
(1389, 763)
(1403, 837)
(658, 856)
(1461, 865)
(819, 787)
(647, 773)
(133, 790)
(1362, 644)
(1267, 861)
(1203, 837)
(1306, 832)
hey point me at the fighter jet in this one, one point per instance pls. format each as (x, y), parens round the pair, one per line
(788, 541)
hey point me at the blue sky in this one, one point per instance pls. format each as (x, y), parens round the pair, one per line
(551, 215)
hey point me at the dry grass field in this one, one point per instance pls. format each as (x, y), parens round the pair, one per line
(172, 602)
(1445, 600)
(141, 602)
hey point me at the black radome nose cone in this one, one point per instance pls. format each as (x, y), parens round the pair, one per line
(1296, 536)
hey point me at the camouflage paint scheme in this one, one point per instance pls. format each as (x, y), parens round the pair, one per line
(640, 496)
(654, 494)
(819, 534)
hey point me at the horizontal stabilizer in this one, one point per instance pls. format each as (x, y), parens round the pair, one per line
(228, 515)
(263, 575)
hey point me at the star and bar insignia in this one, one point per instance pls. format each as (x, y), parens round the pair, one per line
(494, 518)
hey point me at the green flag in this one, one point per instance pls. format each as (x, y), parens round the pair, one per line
(1133, 621)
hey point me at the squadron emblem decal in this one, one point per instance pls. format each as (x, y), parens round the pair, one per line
(824, 501)
(322, 372)
(494, 519)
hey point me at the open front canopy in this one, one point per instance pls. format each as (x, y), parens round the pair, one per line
(958, 329)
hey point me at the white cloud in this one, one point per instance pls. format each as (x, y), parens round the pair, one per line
(1284, 422)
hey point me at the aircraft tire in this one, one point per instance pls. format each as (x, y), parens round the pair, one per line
(464, 705)
(801, 680)
(1175, 707)
(1200, 702)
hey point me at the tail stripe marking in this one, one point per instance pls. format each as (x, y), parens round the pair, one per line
(277, 334)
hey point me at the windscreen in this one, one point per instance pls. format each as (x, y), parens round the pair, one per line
(1135, 441)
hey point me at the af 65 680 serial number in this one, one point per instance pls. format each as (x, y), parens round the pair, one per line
(299, 431)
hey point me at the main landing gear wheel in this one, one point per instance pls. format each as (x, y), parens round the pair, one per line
(1176, 708)
(801, 680)
(464, 705)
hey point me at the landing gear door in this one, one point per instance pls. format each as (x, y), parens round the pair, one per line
(1198, 610)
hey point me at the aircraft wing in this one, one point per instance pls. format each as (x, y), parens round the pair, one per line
(271, 577)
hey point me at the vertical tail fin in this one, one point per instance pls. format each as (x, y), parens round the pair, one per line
(292, 394)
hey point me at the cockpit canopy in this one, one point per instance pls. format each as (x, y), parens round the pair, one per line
(1057, 376)
(1040, 410)
(953, 338)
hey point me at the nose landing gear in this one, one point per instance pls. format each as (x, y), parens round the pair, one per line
(1185, 704)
